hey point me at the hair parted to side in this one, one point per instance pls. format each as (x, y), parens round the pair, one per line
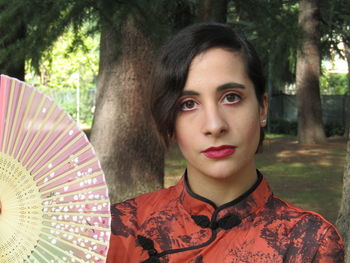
(173, 62)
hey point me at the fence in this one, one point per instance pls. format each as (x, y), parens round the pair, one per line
(284, 108)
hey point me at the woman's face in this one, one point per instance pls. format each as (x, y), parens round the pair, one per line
(218, 124)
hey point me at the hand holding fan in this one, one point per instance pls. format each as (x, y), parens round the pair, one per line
(54, 204)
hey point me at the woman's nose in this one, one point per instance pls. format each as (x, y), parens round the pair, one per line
(214, 122)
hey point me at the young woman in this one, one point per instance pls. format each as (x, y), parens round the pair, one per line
(209, 96)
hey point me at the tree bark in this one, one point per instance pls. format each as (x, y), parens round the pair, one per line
(123, 134)
(310, 125)
(347, 106)
(212, 10)
(343, 220)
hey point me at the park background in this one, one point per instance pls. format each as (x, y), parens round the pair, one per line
(95, 57)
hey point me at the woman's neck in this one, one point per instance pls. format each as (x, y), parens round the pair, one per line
(221, 191)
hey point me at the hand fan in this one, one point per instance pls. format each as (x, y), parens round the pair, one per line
(54, 204)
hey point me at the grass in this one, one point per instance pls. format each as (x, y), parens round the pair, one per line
(276, 136)
(308, 176)
(310, 186)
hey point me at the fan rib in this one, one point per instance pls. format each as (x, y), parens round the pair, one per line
(8, 116)
(57, 140)
(16, 118)
(75, 169)
(40, 256)
(58, 154)
(77, 214)
(21, 129)
(95, 201)
(30, 126)
(89, 190)
(77, 225)
(38, 132)
(27, 240)
(91, 161)
(77, 247)
(48, 135)
(87, 238)
(54, 247)
(34, 257)
(3, 104)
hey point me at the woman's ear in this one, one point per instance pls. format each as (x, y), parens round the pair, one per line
(264, 108)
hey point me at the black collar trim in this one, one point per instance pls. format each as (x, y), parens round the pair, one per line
(231, 203)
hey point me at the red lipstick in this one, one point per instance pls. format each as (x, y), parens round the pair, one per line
(219, 152)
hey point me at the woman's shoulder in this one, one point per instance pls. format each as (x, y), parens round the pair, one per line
(291, 213)
(296, 217)
(307, 230)
(144, 205)
(127, 217)
(151, 199)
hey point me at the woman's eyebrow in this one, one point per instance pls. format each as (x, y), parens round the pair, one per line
(189, 93)
(223, 87)
(230, 85)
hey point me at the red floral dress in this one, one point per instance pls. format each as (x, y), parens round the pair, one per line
(176, 225)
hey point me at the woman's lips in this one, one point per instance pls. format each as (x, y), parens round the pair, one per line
(219, 152)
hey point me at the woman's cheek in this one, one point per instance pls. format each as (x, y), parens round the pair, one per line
(253, 129)
(181, 137)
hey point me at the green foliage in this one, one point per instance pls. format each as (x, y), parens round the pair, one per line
(161, 18)
(334, 129)
(272, 27)
(335, 27)
(63, 69)
(44, 22)
(283, 127)
(334, 84)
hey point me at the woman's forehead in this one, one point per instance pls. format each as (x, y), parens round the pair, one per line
(217, 67)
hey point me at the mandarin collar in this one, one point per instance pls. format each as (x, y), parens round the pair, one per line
(246, 204)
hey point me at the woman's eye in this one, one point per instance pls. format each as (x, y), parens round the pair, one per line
(232, 98)
(188, 105)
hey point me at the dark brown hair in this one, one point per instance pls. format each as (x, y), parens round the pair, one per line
(171, 69)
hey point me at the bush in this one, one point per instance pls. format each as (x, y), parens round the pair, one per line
(334, 84)
(334, 129)
(291, 128)
(283, 127)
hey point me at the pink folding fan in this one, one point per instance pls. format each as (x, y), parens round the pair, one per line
(54, 204)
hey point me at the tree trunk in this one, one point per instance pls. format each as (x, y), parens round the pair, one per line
(310, 126)
(123, 134)
(343, 221)
(212, 10)
(347, 106)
